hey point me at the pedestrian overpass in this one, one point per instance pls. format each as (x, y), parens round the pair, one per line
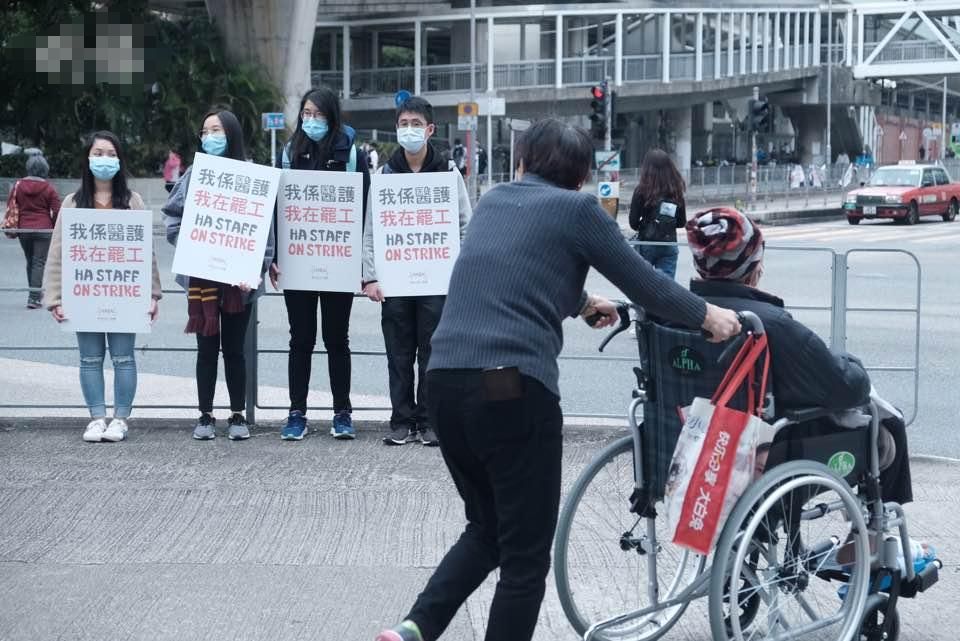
(546, 53)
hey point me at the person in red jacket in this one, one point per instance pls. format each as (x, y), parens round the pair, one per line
(39, 206)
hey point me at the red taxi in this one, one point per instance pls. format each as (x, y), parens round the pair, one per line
(904, 192)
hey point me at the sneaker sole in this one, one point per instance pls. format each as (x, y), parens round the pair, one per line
(291, 437)
(238, 438)
(431, 443)
(203, 438)
(392, 441)
(110, 439)
(92, 439)
(388, 635)
(342, 437)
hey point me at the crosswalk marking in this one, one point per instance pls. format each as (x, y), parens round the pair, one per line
(840, 232)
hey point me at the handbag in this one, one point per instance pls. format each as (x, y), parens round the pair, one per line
(11, 219)
(716, 455)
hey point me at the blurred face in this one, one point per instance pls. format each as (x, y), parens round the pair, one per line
(103, 148)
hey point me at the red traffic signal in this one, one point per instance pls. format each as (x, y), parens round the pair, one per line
(597, 92)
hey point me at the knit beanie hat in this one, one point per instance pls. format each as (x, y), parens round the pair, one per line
(725, 244)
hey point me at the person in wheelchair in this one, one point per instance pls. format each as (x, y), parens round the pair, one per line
(727, 253)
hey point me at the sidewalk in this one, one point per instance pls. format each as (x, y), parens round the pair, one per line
(162, 537)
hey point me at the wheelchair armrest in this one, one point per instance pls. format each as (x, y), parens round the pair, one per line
(804, 414)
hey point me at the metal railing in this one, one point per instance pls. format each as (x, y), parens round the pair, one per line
(521, 74)
(836, 277)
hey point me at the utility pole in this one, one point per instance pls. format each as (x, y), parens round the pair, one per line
(943, 123)
(828, 147)
(608, 110)
(472, 133)
(754, 169)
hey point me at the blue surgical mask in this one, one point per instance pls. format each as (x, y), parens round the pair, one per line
(315, 128)
(104, 167)
(412, 139)
(214, 144)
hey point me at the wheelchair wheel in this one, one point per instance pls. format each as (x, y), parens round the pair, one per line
(777, 556)
(602, 553)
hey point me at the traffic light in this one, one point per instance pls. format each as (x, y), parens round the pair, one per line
(760, 115)
(598, 107)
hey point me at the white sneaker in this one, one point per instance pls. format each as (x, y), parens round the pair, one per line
(95, 430)
(116, 431)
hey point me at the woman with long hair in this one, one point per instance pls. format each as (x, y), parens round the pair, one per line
(321, 142)
(658, 209)
(220, 135)
(103, 186)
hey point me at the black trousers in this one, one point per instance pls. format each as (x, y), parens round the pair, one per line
(408, 323)
(335, 328)
(233, 331)
(35, 247)
(504, 457)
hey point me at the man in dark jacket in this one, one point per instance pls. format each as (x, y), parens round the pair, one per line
(728, 255)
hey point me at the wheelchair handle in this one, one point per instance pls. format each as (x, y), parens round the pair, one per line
(750, 323)
(623, 311)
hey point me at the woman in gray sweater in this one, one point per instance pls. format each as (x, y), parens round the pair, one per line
(495, 401)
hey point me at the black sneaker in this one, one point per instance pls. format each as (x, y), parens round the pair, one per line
(400, 436)
(429, 438)
(237, 429)
(205, 429)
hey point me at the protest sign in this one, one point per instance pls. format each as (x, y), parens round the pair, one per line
(416, 231)
(320, 230)
(226, 220)
(107, 271)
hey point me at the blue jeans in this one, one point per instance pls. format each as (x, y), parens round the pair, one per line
(662, 257)
(92, 350)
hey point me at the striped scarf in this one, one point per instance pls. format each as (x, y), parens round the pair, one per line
(205, 300)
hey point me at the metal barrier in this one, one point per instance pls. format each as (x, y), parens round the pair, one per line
(838, 310)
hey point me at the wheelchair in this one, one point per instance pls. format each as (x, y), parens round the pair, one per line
(809, 551)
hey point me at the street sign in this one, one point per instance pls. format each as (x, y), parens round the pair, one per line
(272, 121)
(467, 113)
(903, 135)
(401, 97)
(518, 125)
(608, 189)
(607, 160)
(493, 106)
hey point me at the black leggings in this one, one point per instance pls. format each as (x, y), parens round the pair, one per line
(233, 331)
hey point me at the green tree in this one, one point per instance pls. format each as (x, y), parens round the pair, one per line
(186, 74)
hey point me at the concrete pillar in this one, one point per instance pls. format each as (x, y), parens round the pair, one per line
(275, 35)
(490, 75)
(682, 151)
(702, 146)
(375, 49)
(810, 126)
(523, 42)
(698, 48)
(618, 51)
(730, 47)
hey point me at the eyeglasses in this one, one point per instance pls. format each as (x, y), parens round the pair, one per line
(308, 115)
(216, 129)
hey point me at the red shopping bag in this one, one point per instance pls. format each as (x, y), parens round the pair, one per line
(718, 446)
